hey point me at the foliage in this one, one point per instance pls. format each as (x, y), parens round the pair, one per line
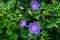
(12, 11)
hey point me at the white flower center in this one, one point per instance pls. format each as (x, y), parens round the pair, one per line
(34, 5)
(34, 27)
(23, 23)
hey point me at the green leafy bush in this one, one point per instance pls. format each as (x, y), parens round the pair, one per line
(47, 16)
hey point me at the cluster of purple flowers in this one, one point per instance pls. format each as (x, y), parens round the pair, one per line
(33, 27)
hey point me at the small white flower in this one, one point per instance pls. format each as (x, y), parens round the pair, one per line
(20, 15)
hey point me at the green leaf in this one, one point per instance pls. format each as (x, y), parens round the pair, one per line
(43, 5)
(10, 4)
(54, 2)
(57, 13)
(42, 38)
(45, 33)
(1, 24)
(1, 31)
(9, 32)
(6, 22)
(24, 33)
(13, 36)
(1, 39)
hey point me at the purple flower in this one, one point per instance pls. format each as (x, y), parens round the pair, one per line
(22, 23)
(34, 28)
(52, 29)
(52, 13)
(34, 5)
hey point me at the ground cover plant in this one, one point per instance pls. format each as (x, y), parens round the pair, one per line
(29, 19)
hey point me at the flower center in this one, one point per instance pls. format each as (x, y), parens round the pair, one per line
(34, 28)
(23, 23)
(34, 5)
